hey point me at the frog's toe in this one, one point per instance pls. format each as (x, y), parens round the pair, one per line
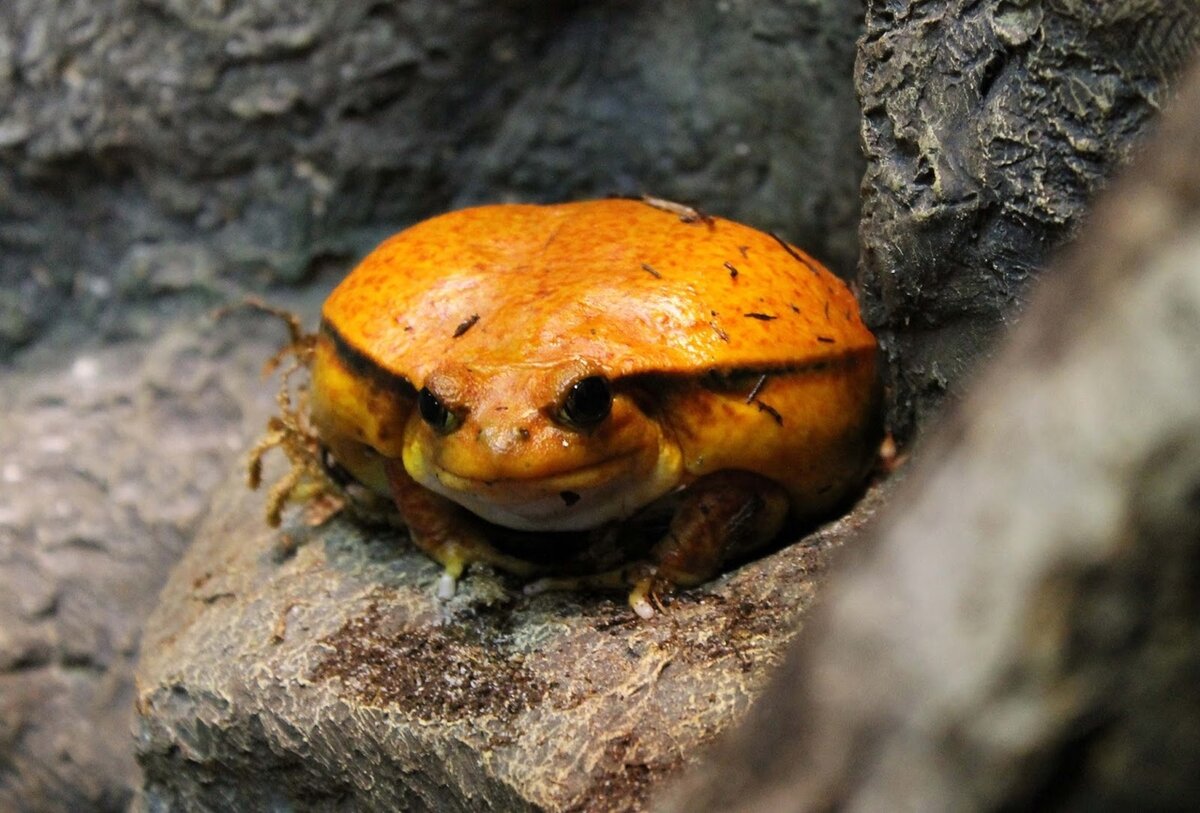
(610, 580)
(447, 586)
(639, 602)
(643, 598)
(642, 578)
(546, 585)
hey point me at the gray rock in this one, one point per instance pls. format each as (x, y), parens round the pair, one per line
(107, 458)
(312, 667)
(1021, 633)
(988, 126)
(278, 137)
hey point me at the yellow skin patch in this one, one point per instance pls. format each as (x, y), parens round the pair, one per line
(559, 368)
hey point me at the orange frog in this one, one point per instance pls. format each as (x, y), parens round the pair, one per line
(520, 368)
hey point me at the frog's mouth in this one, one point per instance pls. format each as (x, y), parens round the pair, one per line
(576, 500)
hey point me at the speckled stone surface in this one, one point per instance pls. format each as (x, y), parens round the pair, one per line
(108, 455)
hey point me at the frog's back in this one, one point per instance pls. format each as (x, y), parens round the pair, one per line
(633, 287)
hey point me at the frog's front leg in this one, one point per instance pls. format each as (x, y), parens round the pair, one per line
(720, 516)
(446, 532)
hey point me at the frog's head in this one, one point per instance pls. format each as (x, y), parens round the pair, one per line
(537, 448)
(526, 446)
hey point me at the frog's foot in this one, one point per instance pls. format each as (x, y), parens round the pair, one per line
(447, 533)
(641, 576)
(720, 516)
(465, 548)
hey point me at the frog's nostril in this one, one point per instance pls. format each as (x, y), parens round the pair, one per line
(504, 439)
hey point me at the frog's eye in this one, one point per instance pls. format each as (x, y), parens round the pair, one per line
(435, 413)
(587, 402)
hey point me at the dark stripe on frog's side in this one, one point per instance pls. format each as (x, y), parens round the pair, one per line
(651, 389)
(747, 379)
(361, 364)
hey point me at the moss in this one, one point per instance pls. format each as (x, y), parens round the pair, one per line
(447, 674)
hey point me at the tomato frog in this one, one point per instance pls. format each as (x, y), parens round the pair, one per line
(551, 372)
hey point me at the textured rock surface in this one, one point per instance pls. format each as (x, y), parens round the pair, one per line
(107, 458)
(152, 146)
(987, 126)
(312, 667)
(1022, 633)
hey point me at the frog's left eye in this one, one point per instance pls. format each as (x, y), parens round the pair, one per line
(588, 402)
(435, 413)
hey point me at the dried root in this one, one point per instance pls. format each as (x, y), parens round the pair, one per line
(307, 480)
(685, 213)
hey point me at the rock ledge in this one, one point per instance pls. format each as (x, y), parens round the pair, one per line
(311, 667)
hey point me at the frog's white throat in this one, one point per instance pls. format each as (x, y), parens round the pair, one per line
(574, 501)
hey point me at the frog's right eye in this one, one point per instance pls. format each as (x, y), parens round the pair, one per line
(435, 413)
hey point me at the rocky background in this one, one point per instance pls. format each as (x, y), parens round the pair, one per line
(988, 127)
(159, 159)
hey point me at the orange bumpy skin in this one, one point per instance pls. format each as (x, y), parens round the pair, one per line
(552, 368)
